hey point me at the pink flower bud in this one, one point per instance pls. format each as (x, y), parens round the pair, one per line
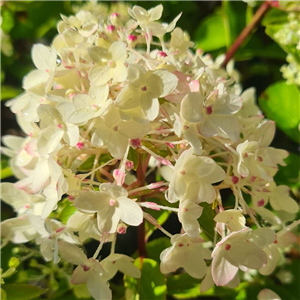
(110, 28)
(131, 38)
(234, 179)
(121, 229)
(151, 205)
(135, 143)
(79, 145)
(129, 165)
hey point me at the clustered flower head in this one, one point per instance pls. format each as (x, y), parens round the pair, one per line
(288, 36)
(108, 90)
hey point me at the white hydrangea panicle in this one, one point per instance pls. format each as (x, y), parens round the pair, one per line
(106, 109)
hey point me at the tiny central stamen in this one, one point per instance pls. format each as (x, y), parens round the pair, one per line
(112, 64)
(227, 247)
(144, 88)
(209, 110)
(261, 202)
(115, 129)
(112, 202)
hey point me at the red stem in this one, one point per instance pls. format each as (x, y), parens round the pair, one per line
(141, 170)
(246, 31)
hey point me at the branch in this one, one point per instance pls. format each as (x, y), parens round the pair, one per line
(141, 228)
(246, 31)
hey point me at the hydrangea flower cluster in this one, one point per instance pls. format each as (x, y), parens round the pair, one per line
(107, 100)
(289, 37)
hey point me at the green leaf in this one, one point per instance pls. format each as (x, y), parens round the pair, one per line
(274, 16)
(161, 216)
(289, 174)
(206, 221)
(3, 295)
(88, 164)
(134, 157)
(18, 291)
(155, 247)
(234, 18)
(8, 21)
(183, 286)
(6, 171)
(280, 102)
(151, 285)
(210, 34)
(9, 92)
(68, 210)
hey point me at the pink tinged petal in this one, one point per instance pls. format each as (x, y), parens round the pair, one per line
(130, 212)
(91, 202)
(191, 107)
(222, 271)
(14, 196)
(267, 294)
(72, 253)
(97, 286)
(79, 275)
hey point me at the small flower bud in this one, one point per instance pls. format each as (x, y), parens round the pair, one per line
(121, 229)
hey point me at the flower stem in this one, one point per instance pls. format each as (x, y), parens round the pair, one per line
(246, 31)
(141, 170)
